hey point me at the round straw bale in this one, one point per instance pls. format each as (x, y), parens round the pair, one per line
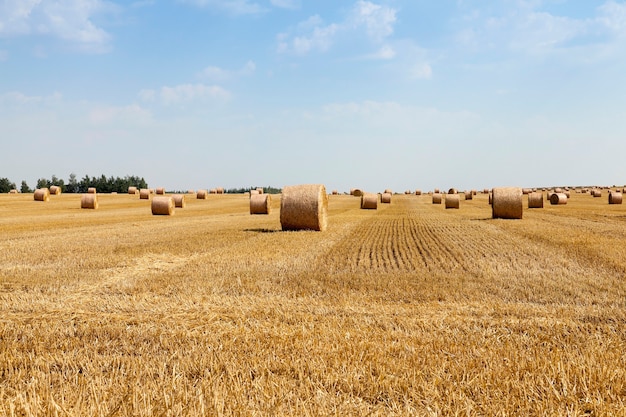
(42, 194)
(213, 191)
(89, 201)
(220, 190)
(535, 200)
(506, 203)
(558, 199)
(144, 194)
(453, 201)
(304, 207)
(490, 198)
(335, 192)
(191, 191)
(160, 191)
(436, 198)
(436, 191)
(260, 190)
(452, 191)
(369, 201)
(13, 191)
(163, 205)
(202, 194)
(356, 192)
(385, 198)
(485, 190)
(91, 190)
(55, 190)
(526, 191)
(387, 191)
(260, 203)
(179, 200)
(418, 192)
(615, 198)
(567, 193)
(132, 190)
(469, 195)
(254, 192)
(596, 193)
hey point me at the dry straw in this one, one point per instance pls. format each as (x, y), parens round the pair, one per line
(179, 200)
(144, 194)
(160, 191)
(202, 194)
(436, 198)
(535, 200)
(89, 201)
(506, 203)
(304, 207)
(385, 198)
(91, 190)
(369, 201)
(260, 203)
(163, 205)
(55, 190)
(558, 199)
(42, 194)
(615, 197)
(453, 201)
(132, 190)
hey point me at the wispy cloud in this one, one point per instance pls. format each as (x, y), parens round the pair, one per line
(236, 7)
(69, 20)
(184, 93)
(218, 74)
(17, 98)
(110, 114)
(374, 21)
(286, 4)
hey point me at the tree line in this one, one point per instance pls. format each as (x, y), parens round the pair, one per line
(74, 185)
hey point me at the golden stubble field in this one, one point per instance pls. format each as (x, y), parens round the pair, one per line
(407, 310)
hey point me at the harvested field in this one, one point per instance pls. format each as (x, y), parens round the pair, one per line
(410, 309)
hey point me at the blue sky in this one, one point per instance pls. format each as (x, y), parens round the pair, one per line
(399, 94)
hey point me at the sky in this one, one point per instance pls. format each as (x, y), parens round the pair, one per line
(399, 94)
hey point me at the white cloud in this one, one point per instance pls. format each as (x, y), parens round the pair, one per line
(385, 52)
(217, 74)
(613, 17)
(70, 20)
(286, 4)
(184, 93)
(128, 114)
(237, 7)
(422, 71)
(16, 98)
(378, 20)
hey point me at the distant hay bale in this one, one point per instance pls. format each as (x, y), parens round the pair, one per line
(407, 192)
(13, 191)
(615, 197)
(369, 201)
(335, 192)
(55, 190)
(387, 191)
(535, 200)
(91, 190)
(202, 194)
(160, 191)
(526, 191)
(260, 203)
(220, 190)
(144, 194)
(596, 192)
(163, 206)
(304, 207)
(418, 192)
(132, 190)
(436, 191)
(356, 192)
(558, 199)
(490, 198)
(567, 193)
(213, 191)
(452, 191)
(453, 201)
(506, 203)
(179, 200)
(89, 201)
(485, 190)
(260, 190)
(191, 191)
(385, 198)
(436, 198)
(42, 194)
(469, 195)
(254, 192)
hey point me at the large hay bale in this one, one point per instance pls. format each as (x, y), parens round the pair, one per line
(160, 191)
(535, 200)
(41, 194)
(369, 201)
(506, 203)
(132, 190)
(89, 201)
(91, 190)
(304, 207)
(202, 194)
(453, 201)
(162, 205)
(385, 198)
(558, 199)
(260, 203)
(55, 190)
(615, 197)
(144, 194)
(596, 193)
(436, 198)
(179, 200)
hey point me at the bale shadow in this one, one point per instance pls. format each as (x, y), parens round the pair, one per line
(262, 230)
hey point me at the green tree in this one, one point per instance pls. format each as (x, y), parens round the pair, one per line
(25, 188)
(6, 185)
(72, 184)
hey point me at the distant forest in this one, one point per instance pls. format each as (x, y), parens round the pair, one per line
(103, 185)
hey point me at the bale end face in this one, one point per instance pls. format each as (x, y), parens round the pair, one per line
(506, 203)
(179, 200)
(453, 201)
(163, 206)
(89, 201)
(260, 203)
(304, 207)
(369, 201)
(385, 198)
